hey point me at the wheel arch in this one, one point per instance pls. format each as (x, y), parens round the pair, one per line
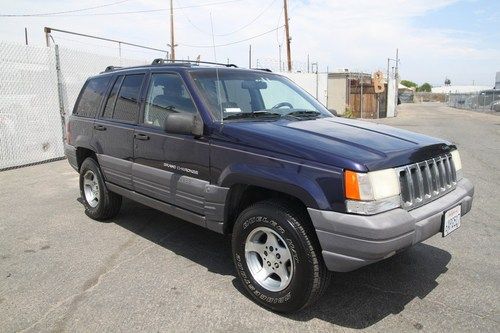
(82, 153)
(242, 195)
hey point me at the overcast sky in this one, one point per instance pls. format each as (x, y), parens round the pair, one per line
(436, 38)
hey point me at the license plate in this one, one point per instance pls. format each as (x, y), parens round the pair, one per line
(451, 220)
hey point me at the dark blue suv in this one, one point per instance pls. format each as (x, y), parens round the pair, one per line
(249, 153)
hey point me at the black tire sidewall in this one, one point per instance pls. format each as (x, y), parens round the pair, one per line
(298, 292)
(93, 212)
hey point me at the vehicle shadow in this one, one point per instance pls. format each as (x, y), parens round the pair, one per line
(363, 297)
(357, 299)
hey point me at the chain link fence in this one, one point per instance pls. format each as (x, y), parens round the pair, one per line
(486, 100)
(38, 87)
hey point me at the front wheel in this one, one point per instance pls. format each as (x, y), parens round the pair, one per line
(278, 257)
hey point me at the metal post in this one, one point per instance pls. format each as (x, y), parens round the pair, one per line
(396, 77)
(361, 95)
(60, 93)
(120, 49)
(26, 35)
(279, 55)
(378, 106)
(250, 56)
(388, 64)
(47, 35)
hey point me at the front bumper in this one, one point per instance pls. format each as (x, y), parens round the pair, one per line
(352, 241)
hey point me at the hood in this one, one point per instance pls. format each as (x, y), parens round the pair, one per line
(339, 142)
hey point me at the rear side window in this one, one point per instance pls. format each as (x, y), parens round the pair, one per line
(110, 103)
(127, 102)
(91, 97)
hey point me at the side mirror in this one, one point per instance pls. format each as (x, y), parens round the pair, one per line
(183, 123)
(334, 112)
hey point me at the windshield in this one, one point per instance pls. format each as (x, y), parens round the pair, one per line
(236, 95)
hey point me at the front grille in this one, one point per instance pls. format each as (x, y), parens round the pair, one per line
(426, 181)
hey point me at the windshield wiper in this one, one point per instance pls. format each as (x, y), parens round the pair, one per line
(255, 114)
(304, 114)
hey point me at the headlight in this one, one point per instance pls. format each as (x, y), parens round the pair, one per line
(455, 156)
(372, 192)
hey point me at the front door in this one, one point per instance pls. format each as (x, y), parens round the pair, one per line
(173, 168)
(114, 129)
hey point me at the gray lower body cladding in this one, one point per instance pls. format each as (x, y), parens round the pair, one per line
(188, 198)
(70, 153)
(351, 241)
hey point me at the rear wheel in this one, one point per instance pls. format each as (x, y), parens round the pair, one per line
(278, 257)
(100, 203)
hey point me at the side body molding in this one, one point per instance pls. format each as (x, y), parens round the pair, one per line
(185, 197)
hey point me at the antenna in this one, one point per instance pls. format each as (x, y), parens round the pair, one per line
(217, 86)
(213, 36)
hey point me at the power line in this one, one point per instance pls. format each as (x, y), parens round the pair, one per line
(125, 12)
(65, 12)
(234, 31)
(235, 42)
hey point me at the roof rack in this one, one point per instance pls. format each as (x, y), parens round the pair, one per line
(170, 62)
(263, 69)
(111, 68)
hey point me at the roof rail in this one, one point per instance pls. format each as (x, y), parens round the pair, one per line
(161, 61)
(111, 68)
(263, 69)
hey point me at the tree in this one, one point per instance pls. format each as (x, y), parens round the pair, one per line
(426, 87)
(409, 84)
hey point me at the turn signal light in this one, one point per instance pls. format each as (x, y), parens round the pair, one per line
(351, 185)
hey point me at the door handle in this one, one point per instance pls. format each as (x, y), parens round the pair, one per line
(140, 136)
(99, 128)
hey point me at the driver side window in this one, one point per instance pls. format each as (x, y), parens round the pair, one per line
(167, 94)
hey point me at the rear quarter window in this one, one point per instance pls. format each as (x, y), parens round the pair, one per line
(91, 96)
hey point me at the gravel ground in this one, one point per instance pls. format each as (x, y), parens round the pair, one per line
(147, 271)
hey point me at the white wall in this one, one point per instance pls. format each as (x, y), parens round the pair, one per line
(391, 98)
(314, 84)
(337, 94)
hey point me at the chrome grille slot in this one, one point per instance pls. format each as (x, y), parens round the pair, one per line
(426, 181)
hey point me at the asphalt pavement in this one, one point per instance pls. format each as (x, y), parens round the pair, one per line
(147, 271)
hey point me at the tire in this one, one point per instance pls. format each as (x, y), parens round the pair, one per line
(305, 274)
(100, 203)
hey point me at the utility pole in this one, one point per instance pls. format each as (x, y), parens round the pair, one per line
(172, 43)
(288, 39)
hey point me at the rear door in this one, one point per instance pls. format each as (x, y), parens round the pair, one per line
(89, 103)
(114, 130)
(173, 168)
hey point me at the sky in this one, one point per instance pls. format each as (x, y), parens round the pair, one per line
(436, 39)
